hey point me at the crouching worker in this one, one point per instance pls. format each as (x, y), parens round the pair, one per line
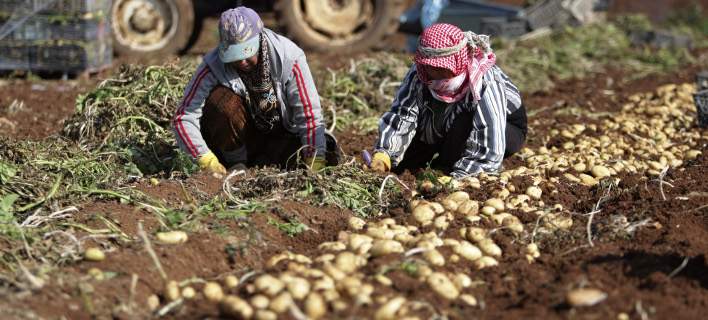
(454, 102)
(252, 102)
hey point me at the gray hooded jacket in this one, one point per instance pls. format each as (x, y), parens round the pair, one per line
(299, 102)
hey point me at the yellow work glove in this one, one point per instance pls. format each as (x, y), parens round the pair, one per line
(210, 162)
(380, 162)
(315, 164)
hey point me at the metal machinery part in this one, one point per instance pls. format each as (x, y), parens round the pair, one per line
(144, 25)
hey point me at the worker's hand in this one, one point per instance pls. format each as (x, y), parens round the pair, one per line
(210, 162)
(380, 162)
(315, 164)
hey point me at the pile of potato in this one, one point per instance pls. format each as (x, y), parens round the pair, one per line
(651, 133)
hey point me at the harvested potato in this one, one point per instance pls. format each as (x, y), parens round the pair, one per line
(231, 281)
(172, 290)
(172, 237)
(269, 285)
(496, 203)
(488, 210)
(315, 306)
(153, 302)
(469, 299)
(94, 254)
(693, 154)
(356, 223)
(188, 293)
(332, 246)
(265, 315)
(434, 257)
(260, 301)
(424, 214)
(380, 233)
(534, 192)
(450, 242)
(346, 261)
(514, 224)
(389, 309)
(485, 262)
(359, 241)
(458, 197)
(532, 252)
(384, 247)
(450, 205)
(462, 281)
(437, 207)
(600, 172)
(96, 273)
(587, 180)
(467, 251)
(476, 234)
(236, 307)
(333, 272)
(384, 280)
(499, 217)
(442, 285)
(585, 297)
(441, 223)
(489, 247)
(281, 303)
(468, 207)
(299, 288)
(213, 292)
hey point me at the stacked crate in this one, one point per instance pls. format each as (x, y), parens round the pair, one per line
(69, 36)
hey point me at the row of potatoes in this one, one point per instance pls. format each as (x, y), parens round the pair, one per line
(650, 134)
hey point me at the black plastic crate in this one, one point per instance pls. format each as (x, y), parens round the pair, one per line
(701, 99)
(51, 28)
(14, 56)
(468, 14)
(65, 7)
(660, 39)
(502, 27)
(544, 13)
(71, 57)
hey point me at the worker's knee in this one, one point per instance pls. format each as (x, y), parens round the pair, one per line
(224, 121)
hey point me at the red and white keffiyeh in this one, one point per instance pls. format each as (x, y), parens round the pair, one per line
(446, 46)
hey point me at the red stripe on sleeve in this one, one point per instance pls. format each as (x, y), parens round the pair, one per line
(300, 88)
(308, 107)
(181, 131)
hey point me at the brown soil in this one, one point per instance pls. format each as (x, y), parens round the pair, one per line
(31, 116)
(638, 270)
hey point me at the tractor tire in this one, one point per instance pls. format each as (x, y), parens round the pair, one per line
(339, 26)
(151, 27)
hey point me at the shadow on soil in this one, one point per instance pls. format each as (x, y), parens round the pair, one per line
(656, 269)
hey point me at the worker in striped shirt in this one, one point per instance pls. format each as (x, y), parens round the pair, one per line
(454, 103)
(252, 102)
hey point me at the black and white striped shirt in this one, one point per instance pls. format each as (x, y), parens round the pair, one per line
(412, 111)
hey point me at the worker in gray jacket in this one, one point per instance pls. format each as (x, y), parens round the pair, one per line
(252, 102)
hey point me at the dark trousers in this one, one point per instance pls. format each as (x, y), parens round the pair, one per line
(420, 154)
(226, 126)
